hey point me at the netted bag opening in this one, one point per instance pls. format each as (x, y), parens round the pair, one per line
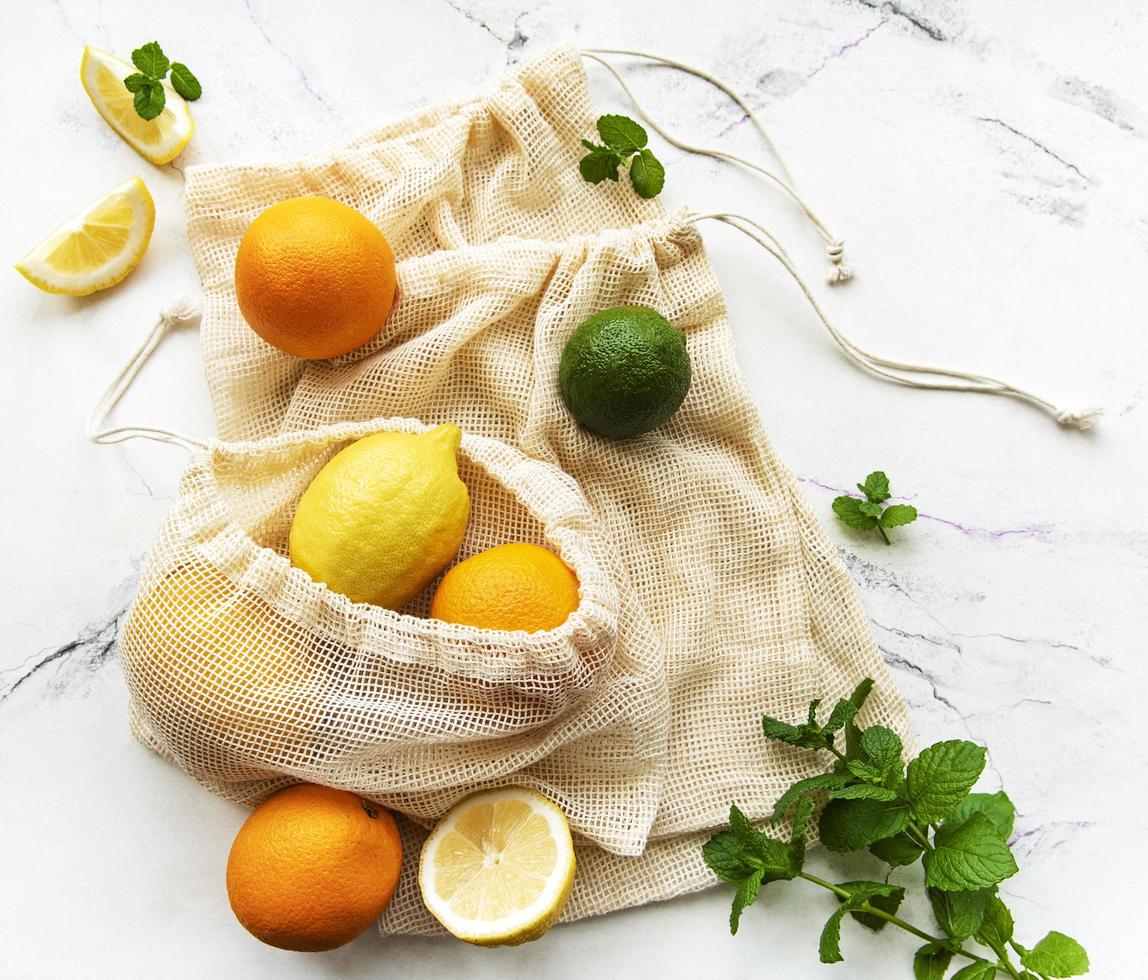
(251, 676)
(465, 172)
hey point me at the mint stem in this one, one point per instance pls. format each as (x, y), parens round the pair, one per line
(957, 949)
(884, 536)
(920, 836)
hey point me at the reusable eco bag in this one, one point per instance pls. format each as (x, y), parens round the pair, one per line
(503, 250)
(251, 676)
(730, 601)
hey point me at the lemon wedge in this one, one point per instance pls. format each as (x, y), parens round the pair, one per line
(98, 247)
(159, 140)
(498, 868)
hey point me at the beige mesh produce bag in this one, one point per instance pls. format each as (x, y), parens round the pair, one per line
(251, 676)
(464, 173)
(730, 600)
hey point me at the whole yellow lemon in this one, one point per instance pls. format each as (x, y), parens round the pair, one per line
(384, 516)
(208, 659)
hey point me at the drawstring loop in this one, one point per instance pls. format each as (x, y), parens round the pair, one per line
(834, 246)
(174, 314)
(898, 372)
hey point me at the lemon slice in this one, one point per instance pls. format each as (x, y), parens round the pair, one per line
(498, 868)
(159, 140)
(98, 247)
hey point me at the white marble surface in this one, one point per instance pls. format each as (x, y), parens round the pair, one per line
(987, 163)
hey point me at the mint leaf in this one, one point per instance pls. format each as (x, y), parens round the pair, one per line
(931, 962)
(773, 857)
(1056, 955)
(959, 914)
(600, 164)
(967, 856)
(941, 777)
(801, 814)
(133, 83)
(780, 731)
(750, 837)
(882, 896)
(727, 857)
(184, 82)
(848, 511)
(883, 747)
(875, 487)
(625, 147)
(825, 780)
(861, 693)
(975, 971)
(864, 515)
(622, 134)
(744, 896)
(149, 100)
(996, 806)
(887, 899)
(897, 515)
(864, 771)
(896, 851)
(647, 174)
(853, 751)
(745, 858)
(829, 945)
(996, 930)
(844, 711)
(862, 791)
(151, 60)
(807, 736)
(852, 825)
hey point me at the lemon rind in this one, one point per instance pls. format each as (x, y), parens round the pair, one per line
(33, 268)
(529, 923)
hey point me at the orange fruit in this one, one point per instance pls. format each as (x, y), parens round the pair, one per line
(314, 277)
(313, 867)
(510, 587)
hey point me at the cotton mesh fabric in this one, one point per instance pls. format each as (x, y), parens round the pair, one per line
(406, 710)
(503, 252)
(468, 172)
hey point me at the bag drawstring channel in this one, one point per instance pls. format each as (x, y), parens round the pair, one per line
(172, 315)
(834, 246)
(898, 372)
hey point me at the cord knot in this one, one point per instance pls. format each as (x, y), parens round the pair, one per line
(838, 272)
(179, 311)
(1084, 419)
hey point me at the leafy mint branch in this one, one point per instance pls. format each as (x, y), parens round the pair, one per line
(867, 514)
(146, 85)
(625, 148)
(925, 811)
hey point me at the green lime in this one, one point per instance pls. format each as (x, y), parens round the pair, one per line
(625, 371)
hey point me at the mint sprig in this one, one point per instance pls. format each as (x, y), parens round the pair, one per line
(902, 814)
(146, 85)
(624, 148)
(867, 514)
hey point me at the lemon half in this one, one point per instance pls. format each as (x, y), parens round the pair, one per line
(498, 868)
(159, 140)
(96, 248)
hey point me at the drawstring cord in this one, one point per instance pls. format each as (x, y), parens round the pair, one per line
(834, 246)
(173, 315)
(884, 367)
